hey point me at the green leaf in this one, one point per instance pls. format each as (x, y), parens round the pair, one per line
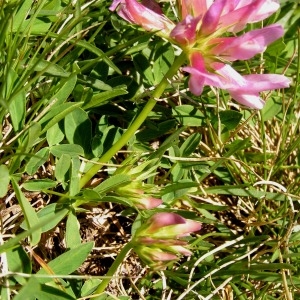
(271, 108)
(56, 114)
(101, 98)
(72, 150)
(244, 192)
(68, 262)
(75, 176)
(78, 129)
(89, 287)
(54, 135)
(17, 110)
(29, 290)
(153, 130)
(30, 215)
(64, 90)
(55, 218)
(62, 166)
(177, 172)
(124, 83)
(190, 144)
(99, 53)
(188, 115)
(37, 161)
(51, 215)
(73, 238)
(4, 180)
(164, 58)
(82, 93)
(230, 118)
(34, 290)
(48, 68)
(94, 83)
(51, 293)
(166, 144)
(112, 183)
(30, 138)
(36, 26)
(18, 262)
(143, 66)
(21, 15)
(92, 197)
(109, 137)
(237, 145)
(114, 199)
(178, 189)
(39, 184)
(276, 48)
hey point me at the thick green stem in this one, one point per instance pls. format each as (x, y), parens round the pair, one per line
(135, 125)
(112, 270)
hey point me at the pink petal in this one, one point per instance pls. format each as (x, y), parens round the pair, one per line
(256, 83)
(199, 75)
(265, 10)
(224, 76)
(195, 8)
(247, 45)
(177, 231)
(115, 4)
(250, 100)
(185, 32)
(162, 256)
(211, 18)
(190, 226)
(169, 225)
(137, 13)
(163, 219)
(229, 76)
(182, 250)
(148, 203)
(196, 81)
(265, 82)
(248, 12)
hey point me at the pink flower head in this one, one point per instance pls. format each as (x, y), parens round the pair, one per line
(203, 33)
(160, 239)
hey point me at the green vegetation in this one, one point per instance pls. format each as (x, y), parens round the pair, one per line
(96, 118)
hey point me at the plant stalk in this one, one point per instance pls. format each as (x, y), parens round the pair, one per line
(135, 125)
(113, 269)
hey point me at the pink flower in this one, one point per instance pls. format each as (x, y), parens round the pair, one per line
(203, 34)
(159, 241)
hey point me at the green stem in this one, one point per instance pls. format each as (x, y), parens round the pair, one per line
(113, 269)
(135, 125)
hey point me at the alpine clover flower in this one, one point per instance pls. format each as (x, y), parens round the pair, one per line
(160, 241)
(208, 32)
